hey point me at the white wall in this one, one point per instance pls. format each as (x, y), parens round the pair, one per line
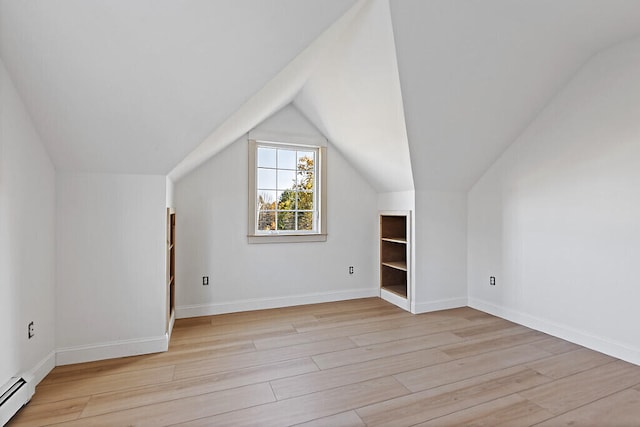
(211, 208)
(397, 201)
(110, 265)
(556, 218)
(27, 233)
(441, 250)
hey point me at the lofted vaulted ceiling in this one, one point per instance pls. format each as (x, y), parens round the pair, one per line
(133, 86)
(421, 94)
(475, 73)
(353, 96)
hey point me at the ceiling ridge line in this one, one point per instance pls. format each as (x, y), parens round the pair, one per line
(277, 93)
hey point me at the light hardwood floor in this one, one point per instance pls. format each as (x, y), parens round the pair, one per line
(351, 363)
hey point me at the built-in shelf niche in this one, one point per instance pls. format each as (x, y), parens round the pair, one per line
(395, 246)
(171, 264)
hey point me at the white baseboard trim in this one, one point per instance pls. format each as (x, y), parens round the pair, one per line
(111, 350)
(443, 304)
(606, 346)
(197, 310)
(42, 368)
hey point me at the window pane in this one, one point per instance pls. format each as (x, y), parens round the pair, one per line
(267, 179)
(286, 179)
(305, 180)
(286, 159)
(286, 221)
(305, 201)
(305, 221)
(266, 221)
(306, 160)
(266, 157)
(286, 200)
(266, 200)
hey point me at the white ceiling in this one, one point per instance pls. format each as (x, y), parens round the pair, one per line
(475, 73)
(147, 86)
(273, 96)
(354, 98)
(132, 86)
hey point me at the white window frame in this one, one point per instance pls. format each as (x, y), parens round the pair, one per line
(320, 189)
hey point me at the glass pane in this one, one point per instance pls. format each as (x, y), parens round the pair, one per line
(305, 221)
(266, 221)
(305, 180)
(305, 201)
(286, 159)
(286, 200)
(266, 200)
(267, 178)
(286, 179)
(266, 157)
(286, 221)
(306, 160)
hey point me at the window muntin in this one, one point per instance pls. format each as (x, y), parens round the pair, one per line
(302, 218)
(286, 189)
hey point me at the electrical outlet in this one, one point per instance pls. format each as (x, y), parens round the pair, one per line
(205, 280)
(492, 280)
(31, 330)
(351, 269)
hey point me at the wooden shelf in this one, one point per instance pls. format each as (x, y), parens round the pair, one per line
(400, 290)
(171, 264)
(398, 265)
(394, 256)
(401, 240)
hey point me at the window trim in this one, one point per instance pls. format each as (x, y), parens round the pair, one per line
(321, 195)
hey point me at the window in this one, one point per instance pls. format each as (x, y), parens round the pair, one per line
(286, 192)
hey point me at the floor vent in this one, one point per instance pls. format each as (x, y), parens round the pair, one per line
(13, 396)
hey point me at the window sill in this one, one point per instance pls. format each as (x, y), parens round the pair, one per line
(286, 238)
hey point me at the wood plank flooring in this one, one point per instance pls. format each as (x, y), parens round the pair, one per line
(350, 363)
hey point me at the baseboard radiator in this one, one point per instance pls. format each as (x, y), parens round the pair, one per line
(14, 395)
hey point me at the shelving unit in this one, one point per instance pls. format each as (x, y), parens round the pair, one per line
(395, 257)
(171, 263)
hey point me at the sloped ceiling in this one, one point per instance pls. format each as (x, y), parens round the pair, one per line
(153, 86)
(354, 98)
(346, 83)
(277, 93)
(133, 86)
(475, 73)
